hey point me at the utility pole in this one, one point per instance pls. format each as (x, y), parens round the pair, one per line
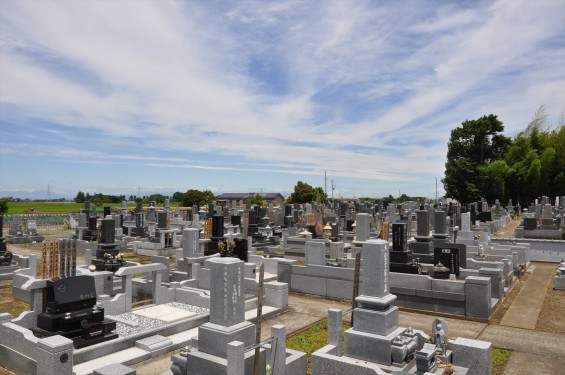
(258, 320)
(326, 183)
(333, 187)
(48, 192)
(436, 189)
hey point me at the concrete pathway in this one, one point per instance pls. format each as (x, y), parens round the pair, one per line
(533, 352)
(524, 311)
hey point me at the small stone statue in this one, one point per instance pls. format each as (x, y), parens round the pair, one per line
(440, 334)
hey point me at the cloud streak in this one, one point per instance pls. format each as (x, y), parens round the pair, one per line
(362, 90)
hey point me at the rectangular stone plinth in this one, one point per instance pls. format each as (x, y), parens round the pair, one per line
(204, 364)
(377, 322)
(370, 347)
(213, 338)
(422, 248)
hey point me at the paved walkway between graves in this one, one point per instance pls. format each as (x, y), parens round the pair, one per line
(533, 352)
(525, 310)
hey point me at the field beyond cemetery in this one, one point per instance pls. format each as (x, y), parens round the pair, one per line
(34, 207)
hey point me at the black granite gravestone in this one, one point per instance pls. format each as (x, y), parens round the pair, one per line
(71, 311)
(485, 216)
(399, 237)
(530, 223)
(448, 256)
(287, 209)
(401, 259)
(218, 226)
(240, 250)
(162, 220)
(5, 255)
(288, 221)
(235, 220)
(343, 209)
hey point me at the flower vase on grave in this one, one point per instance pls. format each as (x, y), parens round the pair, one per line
(113, 263)
(226, 250)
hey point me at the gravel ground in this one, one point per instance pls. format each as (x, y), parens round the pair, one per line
(552, 316)
(140, 323)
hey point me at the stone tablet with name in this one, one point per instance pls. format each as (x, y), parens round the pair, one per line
(226, 291)
(191, 243)
(375, 268)
(399, 237)
(449, 257)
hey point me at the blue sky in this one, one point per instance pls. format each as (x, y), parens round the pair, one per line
(164, 96)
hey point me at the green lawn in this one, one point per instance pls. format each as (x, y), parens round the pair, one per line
(18, 208)
(314, 338)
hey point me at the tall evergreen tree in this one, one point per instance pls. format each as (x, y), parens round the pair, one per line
(471, 148)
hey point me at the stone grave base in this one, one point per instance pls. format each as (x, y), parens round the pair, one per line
(6, 272)
(376, 322)
(214, 338)
(327, 363)
(160, 252)
(205, 364)
(144, 322)
(24, 239)
(370, 347)
(559, 283)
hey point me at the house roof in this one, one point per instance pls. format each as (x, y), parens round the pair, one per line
(235, 196)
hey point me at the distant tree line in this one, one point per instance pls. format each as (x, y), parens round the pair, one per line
(186, 199)
(98, 198)
(391, 199)
(483, 163)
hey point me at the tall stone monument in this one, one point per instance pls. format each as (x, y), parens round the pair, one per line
(423, 248)
(376, 317)
(227, 322)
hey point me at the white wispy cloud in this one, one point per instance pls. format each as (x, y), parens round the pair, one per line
(359, 89)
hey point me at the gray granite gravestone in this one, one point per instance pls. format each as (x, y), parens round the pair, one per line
(466, 221)
(362, 227)
(375, 324)
(423, 245)
(315, 253)
(191, 243)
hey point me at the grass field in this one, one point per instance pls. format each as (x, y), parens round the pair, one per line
(18, 208)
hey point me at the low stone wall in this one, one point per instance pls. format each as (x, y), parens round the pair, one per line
(21, 351)
(470, 297)
(539, 250)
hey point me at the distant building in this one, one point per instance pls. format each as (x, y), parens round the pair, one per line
(267, 197)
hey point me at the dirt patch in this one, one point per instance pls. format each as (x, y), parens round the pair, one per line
(508, 231)
(552, 316)
(497, 316)
(7, 303)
